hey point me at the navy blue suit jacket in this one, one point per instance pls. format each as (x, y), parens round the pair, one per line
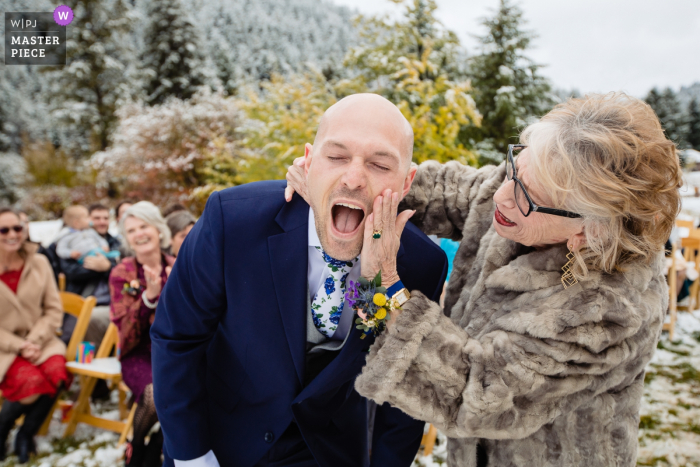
(229, 341)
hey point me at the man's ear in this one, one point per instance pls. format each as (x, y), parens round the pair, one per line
(308, 148)
(409, 180)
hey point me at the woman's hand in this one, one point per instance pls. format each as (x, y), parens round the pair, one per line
(380, 253)
(30, 351)
(296, 180)
(153, 283)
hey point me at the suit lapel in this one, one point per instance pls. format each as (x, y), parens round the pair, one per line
(289, 262)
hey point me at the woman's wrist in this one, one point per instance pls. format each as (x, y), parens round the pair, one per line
(389, 279)
(150, 302)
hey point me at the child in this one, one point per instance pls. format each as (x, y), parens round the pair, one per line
(82, 241)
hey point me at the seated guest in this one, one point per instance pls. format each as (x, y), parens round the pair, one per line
(135, 286)
(180, 223)
(32, 362)
(92, 278)
(175, 207)
(82, 241)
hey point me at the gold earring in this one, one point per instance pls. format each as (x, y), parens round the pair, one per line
(568, 279)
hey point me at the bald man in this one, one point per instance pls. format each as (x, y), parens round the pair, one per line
(254, 351)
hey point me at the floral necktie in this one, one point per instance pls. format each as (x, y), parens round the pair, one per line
(327, 305)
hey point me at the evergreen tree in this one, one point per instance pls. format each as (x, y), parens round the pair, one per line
(668, 108)
(174, 61)
(508, 88)
(98, 75)
(418, 65)
(693, 135)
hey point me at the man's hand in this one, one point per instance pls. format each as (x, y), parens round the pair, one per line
(97, 263)
(75, 254)
(30, 351)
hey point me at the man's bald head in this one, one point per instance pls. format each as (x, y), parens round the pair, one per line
(369, 108)
(363, 148)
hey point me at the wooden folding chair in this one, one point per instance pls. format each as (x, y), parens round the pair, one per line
(123, 389)
(691, 245)
(686, 224)
(428, 441)
(103, 366)
(81, 308)
(672, 287)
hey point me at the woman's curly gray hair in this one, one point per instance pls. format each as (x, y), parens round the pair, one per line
(607, 158)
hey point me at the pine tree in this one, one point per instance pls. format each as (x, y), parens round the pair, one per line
(508, 88)
(693, 135)
(173, 60)
(98, 75)
(668, 109)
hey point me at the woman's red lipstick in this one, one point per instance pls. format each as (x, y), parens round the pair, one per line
(501, 219)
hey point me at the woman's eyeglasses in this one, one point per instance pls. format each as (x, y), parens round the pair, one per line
(522, 197)
(16, 228)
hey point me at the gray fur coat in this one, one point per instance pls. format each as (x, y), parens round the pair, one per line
(538, 375)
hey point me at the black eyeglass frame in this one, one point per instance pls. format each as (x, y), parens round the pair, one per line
(532, 206)
(17, 228)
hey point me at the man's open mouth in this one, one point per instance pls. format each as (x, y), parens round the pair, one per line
(347, 217)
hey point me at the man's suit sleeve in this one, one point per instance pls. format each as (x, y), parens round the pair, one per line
(397, 436)
(187, 317)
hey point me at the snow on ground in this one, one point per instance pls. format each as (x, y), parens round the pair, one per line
(669, 434)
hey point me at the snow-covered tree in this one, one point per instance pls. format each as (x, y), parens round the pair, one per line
(13, 172)
(693, 120)
(418, 64)
(258, 38)
(508, 87)
(98, 76)
(668, 108)
(174, 60)
(172, 152)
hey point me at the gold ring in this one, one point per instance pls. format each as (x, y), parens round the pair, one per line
(377, 234)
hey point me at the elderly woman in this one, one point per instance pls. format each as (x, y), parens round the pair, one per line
(180, 223)
(557, 298)
(32, 358)
(135, 285)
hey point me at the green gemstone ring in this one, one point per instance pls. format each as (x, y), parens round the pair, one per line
(377, 234)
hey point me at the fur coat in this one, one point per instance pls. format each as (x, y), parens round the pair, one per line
(538, 375)
(34, 313)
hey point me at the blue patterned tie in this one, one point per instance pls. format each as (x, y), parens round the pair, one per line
(327, 305)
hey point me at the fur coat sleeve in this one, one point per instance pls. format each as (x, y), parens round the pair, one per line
(443, 195)
(522, 352)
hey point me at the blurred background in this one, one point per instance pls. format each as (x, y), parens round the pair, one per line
(170, 100)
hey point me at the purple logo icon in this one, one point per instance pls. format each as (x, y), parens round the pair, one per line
(63, 15)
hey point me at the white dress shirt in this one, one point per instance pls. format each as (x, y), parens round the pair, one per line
(316, 275)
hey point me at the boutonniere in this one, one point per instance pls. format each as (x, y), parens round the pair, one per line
(132, 288)
(370, 302)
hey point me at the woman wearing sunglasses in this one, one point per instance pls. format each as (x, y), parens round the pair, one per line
(557, 298)
(32, 362)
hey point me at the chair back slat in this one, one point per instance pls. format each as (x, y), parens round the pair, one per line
(109, 342)
(81, 308)
(61, 282)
